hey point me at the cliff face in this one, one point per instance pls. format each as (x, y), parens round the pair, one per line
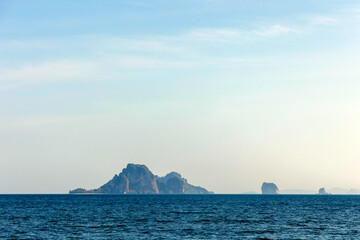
(119, 184)
(139, 179)
(174, 183)
(269, 188)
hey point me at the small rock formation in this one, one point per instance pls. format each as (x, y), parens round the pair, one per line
(269, 188)
(138, 179)
(322, 191)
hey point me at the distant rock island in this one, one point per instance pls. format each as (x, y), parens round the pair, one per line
(138, 179)
(269, 188)
(322, 191)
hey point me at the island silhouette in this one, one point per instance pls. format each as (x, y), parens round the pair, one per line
(138, 179)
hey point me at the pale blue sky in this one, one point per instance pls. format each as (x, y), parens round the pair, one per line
(228, 93)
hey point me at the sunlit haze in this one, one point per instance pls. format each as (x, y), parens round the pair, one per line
(228, 93)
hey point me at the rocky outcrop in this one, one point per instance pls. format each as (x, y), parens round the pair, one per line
(322, 191)
(138, 179)
(171, 184)
(141, 180)
(269, 188)
(174, 183)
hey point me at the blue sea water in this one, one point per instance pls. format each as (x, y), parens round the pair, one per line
(179, 217)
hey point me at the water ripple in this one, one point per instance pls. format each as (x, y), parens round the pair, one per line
(179, 217)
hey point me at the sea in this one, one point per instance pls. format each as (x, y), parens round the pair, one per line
(179, 216)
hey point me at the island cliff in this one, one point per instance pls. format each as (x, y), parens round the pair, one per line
(138, 179)
(269, 188)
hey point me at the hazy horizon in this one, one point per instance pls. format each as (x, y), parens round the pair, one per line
(228, 93)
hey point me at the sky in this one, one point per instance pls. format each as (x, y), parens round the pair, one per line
(228, 93)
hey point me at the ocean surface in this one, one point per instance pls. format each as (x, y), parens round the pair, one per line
(179, 217)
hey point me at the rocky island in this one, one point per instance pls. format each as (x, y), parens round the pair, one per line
(322, 191)
(269, 188)
(138, 179)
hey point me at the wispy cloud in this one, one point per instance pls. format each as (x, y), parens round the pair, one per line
(214, 34)
(231, 34)
(323, 20)
(24, 44)
(172, 43)
(274, 30)
(113, 55)
(99, 69)
(146, 63)
(146, 44)
(30, 74)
